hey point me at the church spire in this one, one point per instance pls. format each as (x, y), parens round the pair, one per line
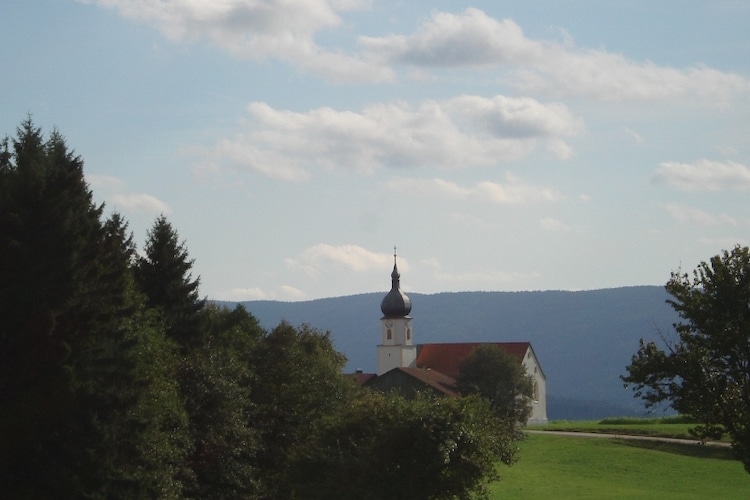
(396, 348)
(395, 276)
(395, 304)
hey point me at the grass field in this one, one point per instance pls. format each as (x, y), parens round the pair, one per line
(674, 427)
(568, 467)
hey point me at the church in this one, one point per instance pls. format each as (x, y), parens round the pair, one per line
(409, 368)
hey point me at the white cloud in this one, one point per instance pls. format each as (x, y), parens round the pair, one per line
(243, 153)
(704, 175)
(286, 31)
(116, 196)
(104, 181)
(468, 39)
(560, 149)
(316, 259)
(554, 225)
(287, 292)
(284, 292)
(205, 170)
(691, 215)
(140, 203)
(256, 30)
(513, 192)
(473, 39)
(463, 132)
(240, 294)
(637, 138)
(605, 76)
(483, 280)
(511, 117)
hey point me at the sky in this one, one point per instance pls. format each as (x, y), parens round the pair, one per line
(499, 145)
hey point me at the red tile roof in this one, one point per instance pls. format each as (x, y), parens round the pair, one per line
(447, 358)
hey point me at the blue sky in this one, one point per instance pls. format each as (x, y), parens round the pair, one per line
(501, 145)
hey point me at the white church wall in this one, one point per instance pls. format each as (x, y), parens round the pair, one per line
(539, 402)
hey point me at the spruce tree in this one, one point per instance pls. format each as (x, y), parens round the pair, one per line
(163, 274)
(49, 236)
(72, 381)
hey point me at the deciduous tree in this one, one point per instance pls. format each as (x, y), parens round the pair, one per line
(298, 383)
(496, 375)
(704, 371)
(217, 375)
(385, 447)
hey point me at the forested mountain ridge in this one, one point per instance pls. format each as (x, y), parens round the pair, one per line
(583, 339)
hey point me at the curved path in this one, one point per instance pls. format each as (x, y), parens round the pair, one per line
(629, 436)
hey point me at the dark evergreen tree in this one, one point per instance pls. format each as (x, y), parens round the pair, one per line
(154, 441)
(49, 237)
(69, 334)
(163, 274)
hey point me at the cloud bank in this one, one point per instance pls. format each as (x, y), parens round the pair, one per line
(704, 175)
(318, 258)
(472, 39)
(466, 131)
(513, 192)
(286, 31)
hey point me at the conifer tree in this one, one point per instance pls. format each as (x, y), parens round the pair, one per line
(49, 236)
(153, 441)
(72, 377)
(163, 274)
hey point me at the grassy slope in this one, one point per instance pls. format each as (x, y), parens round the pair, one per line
(564, 467)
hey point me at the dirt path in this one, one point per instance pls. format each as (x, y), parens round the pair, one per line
(628, 436)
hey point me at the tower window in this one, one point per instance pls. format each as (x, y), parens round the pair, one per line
(408, 334)
(388, 334)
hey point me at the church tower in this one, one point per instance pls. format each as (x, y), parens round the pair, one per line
(396, 348)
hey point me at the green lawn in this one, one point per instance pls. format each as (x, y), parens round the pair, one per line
(674, 427)
(567, 467)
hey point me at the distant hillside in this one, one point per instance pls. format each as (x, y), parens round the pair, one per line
(583, 340)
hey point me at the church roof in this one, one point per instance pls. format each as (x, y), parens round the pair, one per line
(398, 377)
(434, 379)
(447, 357)
(395, 304)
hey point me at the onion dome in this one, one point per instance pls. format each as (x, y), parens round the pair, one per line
(395, 304)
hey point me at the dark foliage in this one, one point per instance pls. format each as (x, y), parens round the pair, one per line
(68, 370)
(494, 374)
(299, 383)
(216, 378)
(163, 274)
(385, 447)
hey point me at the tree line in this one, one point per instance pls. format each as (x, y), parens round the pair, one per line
(117, 380)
